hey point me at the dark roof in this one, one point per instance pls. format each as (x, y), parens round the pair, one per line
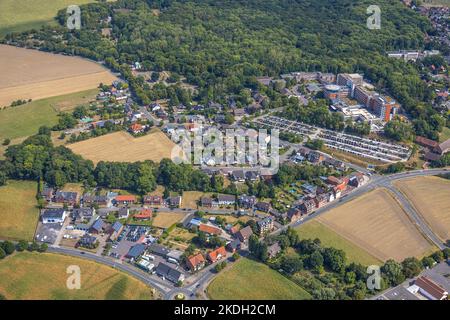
(53, 213)
(226, 197)
(159, 250)
(67, 195)
(136, 250)
(98, 225)
(168, 272)
(82, 212)
(116, 226)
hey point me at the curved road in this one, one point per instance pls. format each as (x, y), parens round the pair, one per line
(168, 290)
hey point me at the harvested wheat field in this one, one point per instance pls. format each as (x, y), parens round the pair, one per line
(164, 220)
(376, 223)
(122, 147)
(32, 74)
(431, 198)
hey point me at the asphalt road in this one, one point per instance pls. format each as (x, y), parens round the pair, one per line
(205, 276)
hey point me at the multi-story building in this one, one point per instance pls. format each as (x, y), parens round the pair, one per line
(384, 107)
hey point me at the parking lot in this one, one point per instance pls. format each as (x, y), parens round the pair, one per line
(48, 232)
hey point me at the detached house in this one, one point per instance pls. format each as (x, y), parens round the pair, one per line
(263, 206)
(69, 198)
(294, 214)
(174, 202)
(153, 200)
(196, 262)
(217, 254)
(247, 202)
(226, 199)
(209, 229)
(206, 202)
(125, 199)
(244, 234)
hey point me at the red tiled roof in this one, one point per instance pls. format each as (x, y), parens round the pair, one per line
(144, 214)
(194, 261)
(209, 229)
(125, 198)
(213, 255)
(431, 287)
(136, 127)
(426, 142)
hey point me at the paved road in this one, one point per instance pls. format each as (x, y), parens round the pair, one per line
(160, 285)
(377, 182)
(198, 283)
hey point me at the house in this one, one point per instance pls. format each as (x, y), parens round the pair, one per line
(244, 234)
(89, 199)
(315, 157)
(115, 230)
(226, 199)
(196, 262)
(234, 245)
(206, 202)
(429, 289)
(123, 213)
(251, 175)
(239, 112)
(174, 202)
(169, 273)
(97, 227)
(159, 250)
(69, 198)
(294, 214)
(357, 180)
(337, 164)
(125, 199)
(87, 241)
(265, 225)
(273, 250)
(427, 143)
(234, 229)
(247, 202)
(321, 200)
(307, 206)
(82, 214)
(444, 147)
(337, 183)
(238, 176)
(135, 251)
(210, 229)
(263, 206)
(153, 200)
(217, 254)
(144, 214)
(54, 215)
(47, 194)
(195, 222)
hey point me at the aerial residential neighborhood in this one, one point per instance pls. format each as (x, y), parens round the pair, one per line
(224, 150)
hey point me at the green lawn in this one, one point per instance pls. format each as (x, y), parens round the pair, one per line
(445, 134)
(329, 238)
(21, 15)
(25, 120)
(18, 212)
(31, 276)
(248, 279)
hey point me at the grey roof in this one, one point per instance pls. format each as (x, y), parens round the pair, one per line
(98, 225)
(53, 213)
(159, 250)
(136, 250)
(226, 197)
(168, 272)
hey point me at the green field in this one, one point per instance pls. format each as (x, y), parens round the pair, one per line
(329, 238)
(18, 212)
(21, 15)
(31, 276)
(25, 120)
(445, 134)
(248, 279)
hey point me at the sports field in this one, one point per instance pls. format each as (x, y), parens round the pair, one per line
(21, 15)
(123, 147)
(251, 280)
(431, 197)
(25, 120)
(329, 238)
(32, 276)
(18, 212)
(376, 223)
(31, 74)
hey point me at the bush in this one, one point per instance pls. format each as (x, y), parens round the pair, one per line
(2, 253)
(22, 245)
(8, 247)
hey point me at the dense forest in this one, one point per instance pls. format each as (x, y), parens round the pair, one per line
(222, 45)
